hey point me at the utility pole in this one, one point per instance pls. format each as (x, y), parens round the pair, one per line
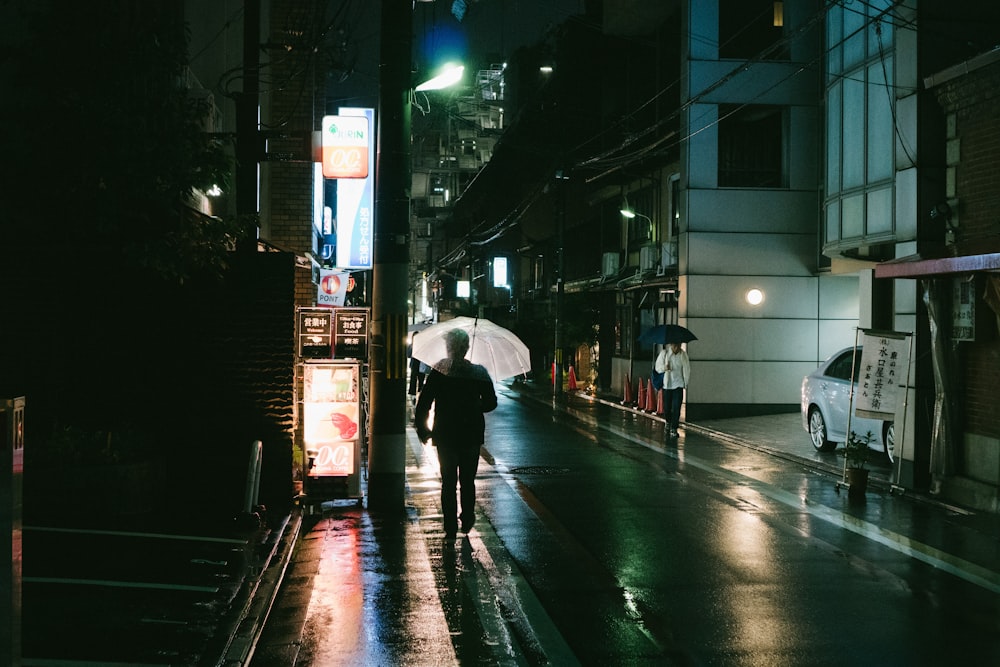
(248, 149)
(562, 182)
(390, 271)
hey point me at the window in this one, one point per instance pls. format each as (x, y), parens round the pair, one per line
(675, 206)
(846, 364)
(860, 135)
(749, 29)
(640, 228)
(751, 146)
(623, 323)
(500, 271)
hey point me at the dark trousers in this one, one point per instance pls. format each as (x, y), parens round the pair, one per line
(416, 380)
(672, 399)
(458, 469)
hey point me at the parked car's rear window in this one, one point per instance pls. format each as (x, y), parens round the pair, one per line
(841, 368)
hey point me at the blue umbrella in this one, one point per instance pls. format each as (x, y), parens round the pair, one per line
(667, 333)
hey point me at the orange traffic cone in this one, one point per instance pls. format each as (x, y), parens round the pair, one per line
(650, 399)
(627, 391)
(572, 379)
(641, 401)
(659, 402)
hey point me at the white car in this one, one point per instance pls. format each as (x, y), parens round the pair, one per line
(826, 403)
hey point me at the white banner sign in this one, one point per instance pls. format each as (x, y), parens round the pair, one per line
(882, 376)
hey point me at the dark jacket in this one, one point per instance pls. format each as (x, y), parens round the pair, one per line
(460, 393)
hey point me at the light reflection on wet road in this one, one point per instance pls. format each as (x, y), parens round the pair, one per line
(600, 542)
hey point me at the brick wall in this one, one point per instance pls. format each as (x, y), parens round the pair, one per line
(297, 104)
(973, 101)
(977, 119)
(982, 368)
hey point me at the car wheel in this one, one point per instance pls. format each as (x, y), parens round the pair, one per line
(889, 438)
(817, 432)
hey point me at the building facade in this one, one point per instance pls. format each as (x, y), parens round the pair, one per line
(790, 151)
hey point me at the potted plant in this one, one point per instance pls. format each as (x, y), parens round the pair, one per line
(856, 451)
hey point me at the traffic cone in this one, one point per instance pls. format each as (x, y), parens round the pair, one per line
(659, 402)
(627, 391)
(572, 379)
(641, 402)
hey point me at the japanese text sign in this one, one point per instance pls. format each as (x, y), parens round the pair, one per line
(882, 375)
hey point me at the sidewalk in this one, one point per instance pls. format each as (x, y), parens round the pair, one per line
(377, 575)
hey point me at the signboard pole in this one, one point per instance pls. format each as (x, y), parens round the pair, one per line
(880, 389)
(850, 406)
(898, 463)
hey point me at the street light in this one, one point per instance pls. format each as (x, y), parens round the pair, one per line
(449, 76)
(629, 214)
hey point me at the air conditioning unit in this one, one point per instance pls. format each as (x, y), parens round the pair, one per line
(609, 264)
(648, 257)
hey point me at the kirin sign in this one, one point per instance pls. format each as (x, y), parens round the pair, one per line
(345, 146)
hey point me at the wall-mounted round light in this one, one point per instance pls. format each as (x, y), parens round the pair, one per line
(754, 296)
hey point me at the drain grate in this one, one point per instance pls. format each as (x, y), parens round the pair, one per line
(538, 470)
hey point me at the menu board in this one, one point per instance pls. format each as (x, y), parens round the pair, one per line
(350, 333)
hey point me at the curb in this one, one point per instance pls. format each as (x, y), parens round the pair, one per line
(266, 576)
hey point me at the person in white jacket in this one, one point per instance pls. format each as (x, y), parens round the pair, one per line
(673, 362)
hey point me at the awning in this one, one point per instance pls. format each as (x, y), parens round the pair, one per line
(934, 264)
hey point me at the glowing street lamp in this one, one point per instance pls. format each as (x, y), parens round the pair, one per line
(629, 213)
(449, 76)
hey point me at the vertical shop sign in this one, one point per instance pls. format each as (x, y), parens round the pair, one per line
(355, 209)
(963, 309)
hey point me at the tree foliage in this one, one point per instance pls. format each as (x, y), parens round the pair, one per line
(107, 140)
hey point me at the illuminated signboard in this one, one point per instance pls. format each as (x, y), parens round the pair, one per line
(315, 337)
(499, 271)
(346, 142)
(331, 417)
(355, 209)
(350, 333)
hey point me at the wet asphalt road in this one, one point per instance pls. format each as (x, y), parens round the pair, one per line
(601, 542)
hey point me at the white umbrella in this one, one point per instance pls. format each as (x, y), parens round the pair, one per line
(502, 353)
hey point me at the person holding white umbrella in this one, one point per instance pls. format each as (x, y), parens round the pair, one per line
(460, 393)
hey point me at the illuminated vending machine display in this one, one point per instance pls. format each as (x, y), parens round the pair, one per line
(332, 428)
